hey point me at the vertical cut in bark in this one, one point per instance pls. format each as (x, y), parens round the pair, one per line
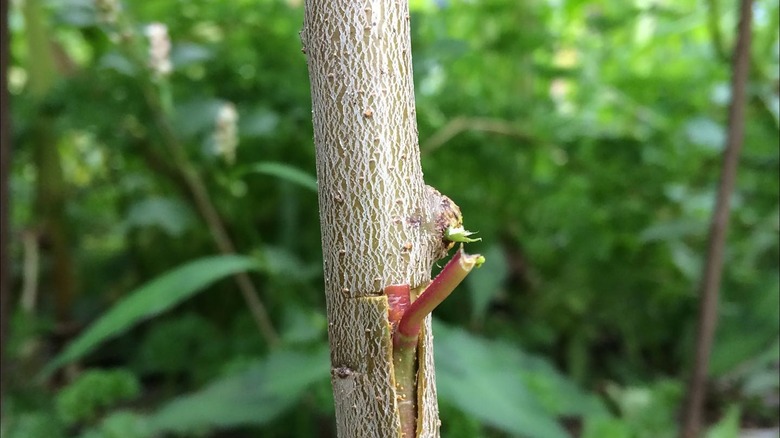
(381, 225)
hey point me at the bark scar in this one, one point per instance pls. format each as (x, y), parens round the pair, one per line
(342, 372)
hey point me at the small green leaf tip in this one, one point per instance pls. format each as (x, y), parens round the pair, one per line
(459, 234)
(480, 260)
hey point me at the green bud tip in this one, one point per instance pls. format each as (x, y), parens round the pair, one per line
(459, 234)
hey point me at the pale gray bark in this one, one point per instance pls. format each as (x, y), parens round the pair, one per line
(381, 224)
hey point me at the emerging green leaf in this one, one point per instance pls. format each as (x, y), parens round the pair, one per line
(459, 234)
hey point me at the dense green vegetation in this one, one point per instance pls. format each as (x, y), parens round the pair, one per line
(582, 140)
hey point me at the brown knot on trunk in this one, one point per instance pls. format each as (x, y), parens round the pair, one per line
(445, 214)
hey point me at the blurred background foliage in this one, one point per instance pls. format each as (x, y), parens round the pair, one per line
(582, 139)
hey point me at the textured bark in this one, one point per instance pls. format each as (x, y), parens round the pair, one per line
(381, 225)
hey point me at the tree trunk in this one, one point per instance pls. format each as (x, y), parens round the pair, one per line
(381, 225)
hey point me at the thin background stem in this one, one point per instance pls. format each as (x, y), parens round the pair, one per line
(159, 99)
(712, 272)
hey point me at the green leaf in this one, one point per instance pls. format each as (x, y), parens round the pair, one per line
(120, 424)
(706, 133)
(171, 215)
(149, 300)
(747, 334)
(94, 391)
(605, 427)
(118, 62)
(197, 116)
(282, 263)
(504, 387)
(31, 424)
(728, 426)
(486, 283)
(673, 230)
(260, 122)
(685, 259)
(255, 396)
(186, 54)
(649, 410)
(287, 173)
(303, 325)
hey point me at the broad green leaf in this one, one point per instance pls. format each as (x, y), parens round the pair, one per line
(172, 215)
(151, 299)
(504, 387)
(287, 173)
(255, 396)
